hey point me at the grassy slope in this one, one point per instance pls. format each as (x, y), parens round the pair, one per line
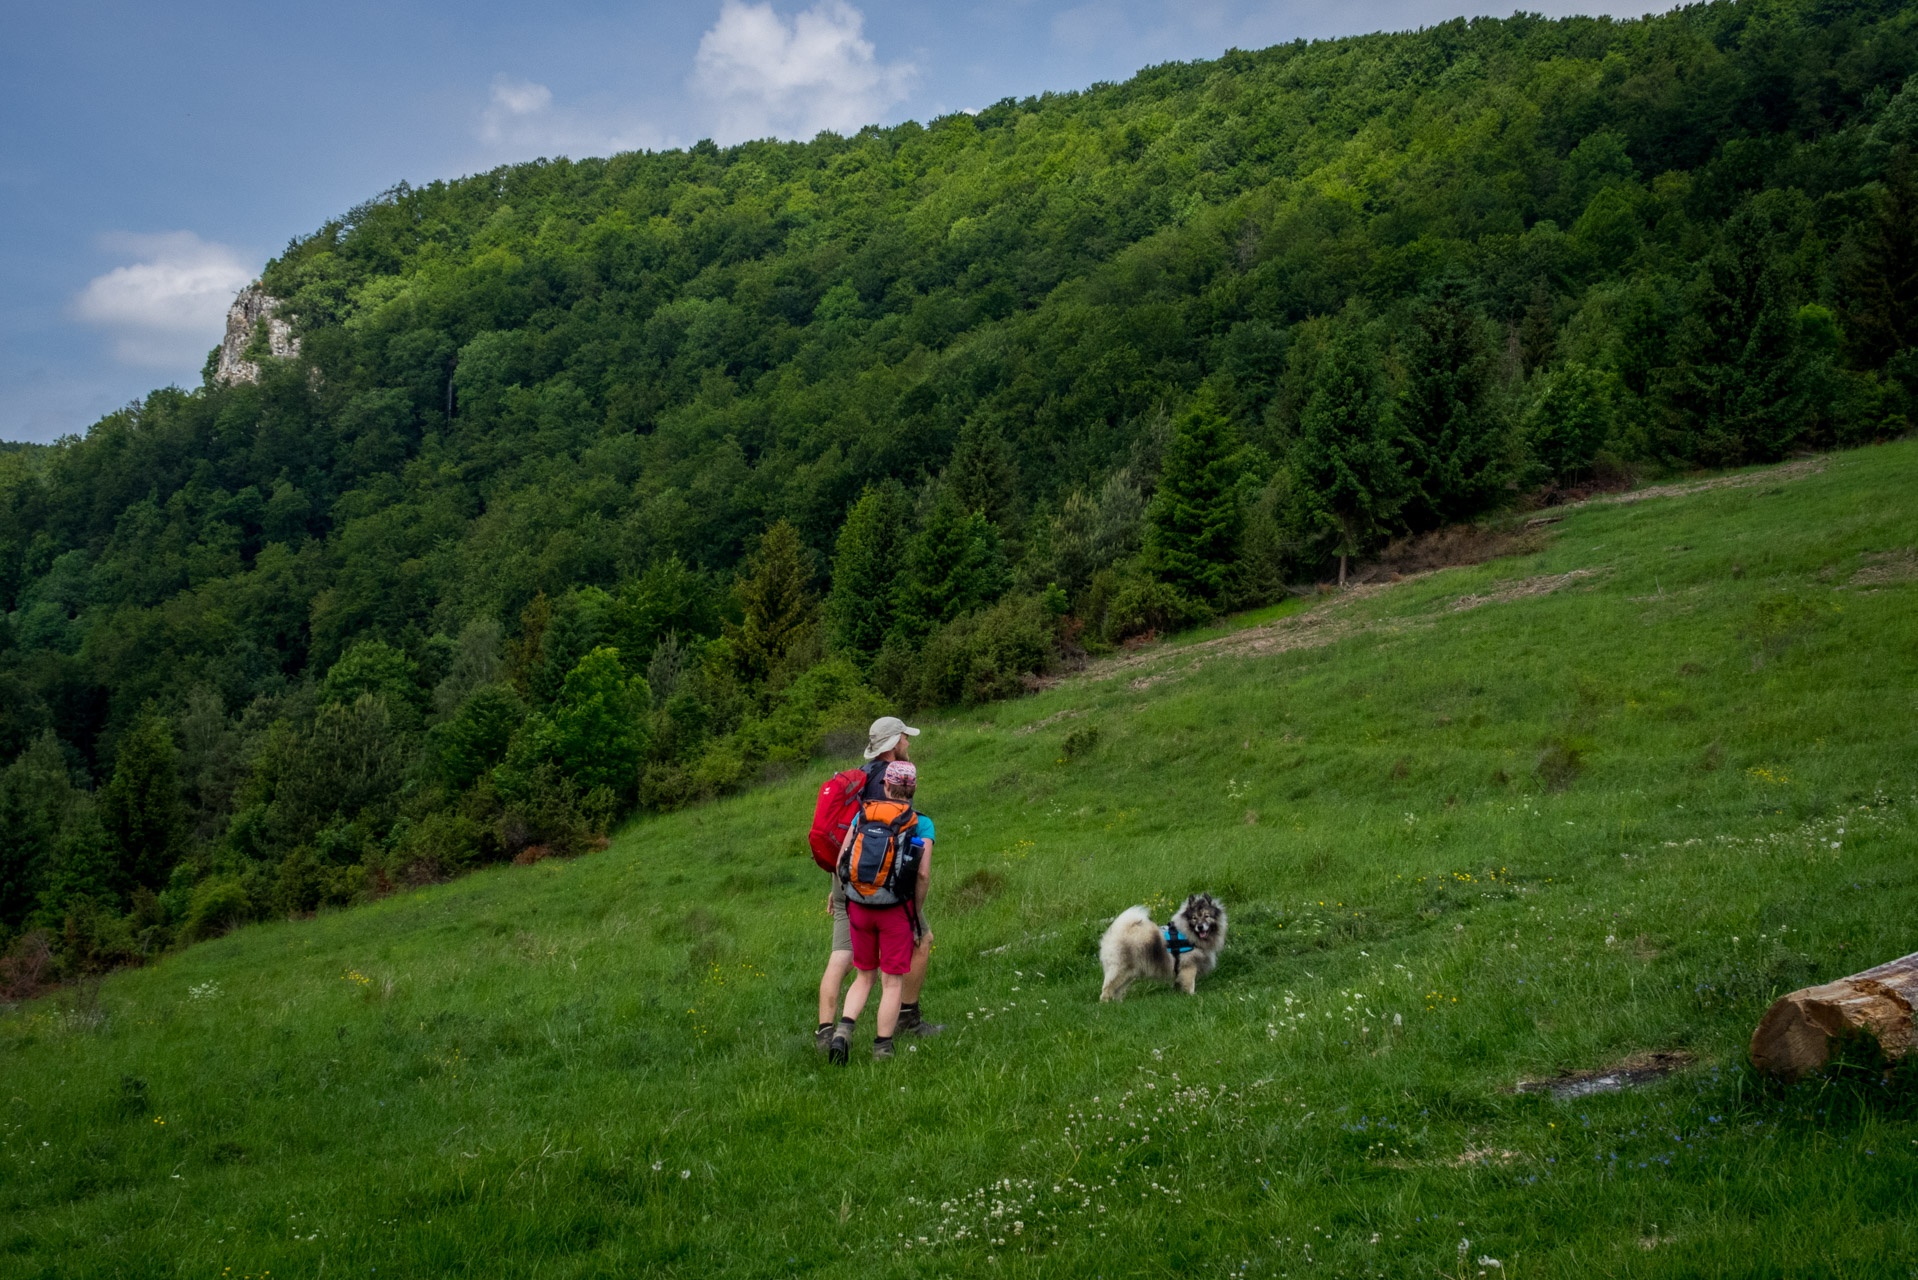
(604, 1067)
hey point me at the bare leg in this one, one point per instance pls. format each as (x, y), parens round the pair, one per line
(916, 975)
(838, 965)
(891, 986)
(856, 997)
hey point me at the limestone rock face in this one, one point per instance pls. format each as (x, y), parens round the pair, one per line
(253, 305)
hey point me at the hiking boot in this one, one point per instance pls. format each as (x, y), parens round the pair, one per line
(911, 1024)
(838, 1049)
(881, 1050)
(822, 1038)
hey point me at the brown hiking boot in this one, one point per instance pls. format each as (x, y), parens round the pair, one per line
(912, 1024)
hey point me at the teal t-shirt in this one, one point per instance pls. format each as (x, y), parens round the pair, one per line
(925, 828)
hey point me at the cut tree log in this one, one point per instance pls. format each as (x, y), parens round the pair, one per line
(1797, 1033)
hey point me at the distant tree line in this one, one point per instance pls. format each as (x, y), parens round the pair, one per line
(611, 485)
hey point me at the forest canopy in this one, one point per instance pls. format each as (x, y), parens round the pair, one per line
(609, 484)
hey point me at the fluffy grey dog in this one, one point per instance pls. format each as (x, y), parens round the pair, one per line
(1134, 947)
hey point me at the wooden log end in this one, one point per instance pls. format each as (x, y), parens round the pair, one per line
(1797, 1033)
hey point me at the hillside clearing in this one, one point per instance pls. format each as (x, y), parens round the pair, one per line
(1461, 848)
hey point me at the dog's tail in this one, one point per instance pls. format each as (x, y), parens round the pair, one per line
(1110, 946)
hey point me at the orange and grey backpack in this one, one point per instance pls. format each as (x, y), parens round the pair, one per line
(879, 864)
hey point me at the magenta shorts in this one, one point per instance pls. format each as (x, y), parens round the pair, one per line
(881, 938)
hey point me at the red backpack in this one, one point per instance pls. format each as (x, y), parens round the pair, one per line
(837, 809)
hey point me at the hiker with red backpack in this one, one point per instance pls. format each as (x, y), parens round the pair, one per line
(841, 801)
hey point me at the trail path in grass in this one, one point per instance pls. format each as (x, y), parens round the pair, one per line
(1341, 614)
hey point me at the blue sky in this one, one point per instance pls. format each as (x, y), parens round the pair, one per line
(154, 155)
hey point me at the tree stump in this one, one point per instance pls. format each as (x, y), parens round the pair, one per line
(1797, 1032)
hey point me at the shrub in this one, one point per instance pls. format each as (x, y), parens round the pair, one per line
(826, 697)
(1142, 603)
(217, 906)
(546, 806)
(983, 656)
(445, 843)
(1081, 741)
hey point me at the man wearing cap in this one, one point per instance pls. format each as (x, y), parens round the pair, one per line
(887, 740)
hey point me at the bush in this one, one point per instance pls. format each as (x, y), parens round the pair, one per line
(829, 696)
(1142, 603)
(446, 843)
(545, 806)
(979, 658)
(217, 906)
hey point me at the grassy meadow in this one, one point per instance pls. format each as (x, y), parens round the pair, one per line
(1602, 798)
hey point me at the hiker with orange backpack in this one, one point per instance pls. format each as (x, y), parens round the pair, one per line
(840, 803)
(884, 867)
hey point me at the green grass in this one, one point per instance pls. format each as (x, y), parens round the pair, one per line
(1460, 847)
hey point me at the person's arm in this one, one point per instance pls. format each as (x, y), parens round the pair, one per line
(925, 875)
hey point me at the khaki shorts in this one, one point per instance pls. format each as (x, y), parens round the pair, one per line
(842, 924)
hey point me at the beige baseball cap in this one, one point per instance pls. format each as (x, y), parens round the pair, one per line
(885, 733)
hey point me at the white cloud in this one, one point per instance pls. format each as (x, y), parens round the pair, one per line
(167, 309)
(767, 76)
(521, 120)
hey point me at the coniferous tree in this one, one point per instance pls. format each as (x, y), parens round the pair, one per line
(957, 564)
(1881, 318)
(1344, 458)
(141, 810)
(1195, 516)
(1449, 425)
(35, 794)
(85, 867)
(1735, 394)
(1570, 421)
(775, 601)
(982, 474)
(868, 564)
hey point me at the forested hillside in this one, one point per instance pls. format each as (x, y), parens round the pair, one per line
(610, 484)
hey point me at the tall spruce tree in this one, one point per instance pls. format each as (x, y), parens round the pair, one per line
(1195, 519)
(35, 794)
(776, 603)
(1344, 458)
(1736, 393)
(868, 562)
(982, 474)
(142, 810)
(958, 564)
(1449, 424)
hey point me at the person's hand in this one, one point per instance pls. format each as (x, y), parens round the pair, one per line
(829, 902)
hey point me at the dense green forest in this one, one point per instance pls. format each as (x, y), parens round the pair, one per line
(615, 484)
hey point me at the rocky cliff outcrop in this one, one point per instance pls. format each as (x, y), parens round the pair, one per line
(253, 306)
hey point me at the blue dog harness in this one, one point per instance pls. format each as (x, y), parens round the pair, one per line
(1176, 944)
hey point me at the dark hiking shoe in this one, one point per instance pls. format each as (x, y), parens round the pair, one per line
(881, 1050)
(911, 1024)
(838, 1049)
